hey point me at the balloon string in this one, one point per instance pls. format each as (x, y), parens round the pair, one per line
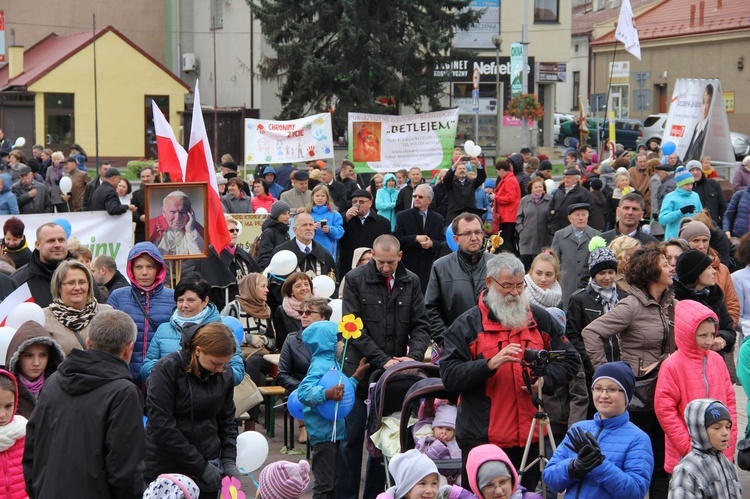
(252, 478)
(278, 278)
(336, 407)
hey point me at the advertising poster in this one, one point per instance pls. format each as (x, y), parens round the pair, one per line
(251, 226)
(480, 35)
(697, 121)
(295, 141)
(387, 143)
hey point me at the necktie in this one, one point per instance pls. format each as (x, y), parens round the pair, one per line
(424, 219)
(307, 250)
(389, 282)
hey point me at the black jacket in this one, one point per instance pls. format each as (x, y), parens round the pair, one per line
(712, 198)
(274, 234)
(7, 286)
(338, 194)
(560, 202)
(105, 198)
(644, 238)
(284, 325)
(90, 414)
(358, 235)
(293, 362)
(21, 254)
(461, 197)
(190, 419)
(416, 258)
(391, 322)
(403, 200)
(88, 192)
(118, 281)
(715, 301)
(440, 201)
(139, 201)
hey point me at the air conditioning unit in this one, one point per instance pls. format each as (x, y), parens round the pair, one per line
(188, 62)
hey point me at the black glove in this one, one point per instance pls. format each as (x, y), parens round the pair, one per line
(588, 459)
(211, 476)
(576, 440)
(687, 209)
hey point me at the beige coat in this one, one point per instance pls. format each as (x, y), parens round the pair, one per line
(640, 322)
(724, 280)
(64, 336)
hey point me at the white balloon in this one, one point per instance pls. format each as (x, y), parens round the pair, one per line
(20, 142)
(336, 306)
(252, 450)
(476, 151)
(6, 335)
(65, 184)
(27, 311)
(283, 263)
(261, 211)
(323, 286)
(469, 146)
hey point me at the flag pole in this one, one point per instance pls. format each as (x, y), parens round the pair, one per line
(606, 102)
(96, 99)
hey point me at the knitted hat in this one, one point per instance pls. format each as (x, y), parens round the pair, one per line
(600, 257)
(491, 470)
(620, 373)
(545, 165)
(279, 208)
(690, 265)
(596, 184)
(693, 229)
(172, 486)
(716, 412)
(220, 180)
(683, 177)
(693, 164)
(489, 183)
(445, 416)
(407, 470)
(284, 480)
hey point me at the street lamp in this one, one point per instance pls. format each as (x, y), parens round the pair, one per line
(497, 41)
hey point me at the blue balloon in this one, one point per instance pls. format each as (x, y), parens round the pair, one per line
(295, 407)
(328, 409)
(668, 148)
(452, 244)
(62, 222)
(236, 327)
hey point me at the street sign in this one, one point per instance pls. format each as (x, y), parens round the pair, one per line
(642, 99)
(641, 77)
(475, 100)
(516, 64)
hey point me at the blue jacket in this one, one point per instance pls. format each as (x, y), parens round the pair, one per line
(624, 474)
(157, 301)
(167, 340)
(484, 203)
(737, 216)
(385, 200)
(275, 190)
(670, 214)
(320, 338)
(8, 201)
(335, 228)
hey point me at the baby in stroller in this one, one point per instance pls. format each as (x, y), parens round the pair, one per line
(435, 434)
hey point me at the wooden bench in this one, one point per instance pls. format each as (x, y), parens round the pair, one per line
(270, 395)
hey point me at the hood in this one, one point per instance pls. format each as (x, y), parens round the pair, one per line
(6, 374)
(320, 338)
(189, 330)
(695, 417)
(146, 248)
(688, 316)
(85, 371)
(212, 315)
(389, 176)
(270, 222)
(31, 333)
(358, 252)
(7, 182)
(480, 455)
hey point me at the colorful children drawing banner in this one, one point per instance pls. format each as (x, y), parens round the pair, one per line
(385, 143)
(292, 141)
(98, 231)
(697, 121)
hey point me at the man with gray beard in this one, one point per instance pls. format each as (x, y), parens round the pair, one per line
(481, 361)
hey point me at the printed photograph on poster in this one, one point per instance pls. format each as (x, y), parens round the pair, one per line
(367, 143)
(176, 219)
(698, 137)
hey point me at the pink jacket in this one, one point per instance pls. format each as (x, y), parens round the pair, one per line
(686, 375)
(12, 484)
(489, 452)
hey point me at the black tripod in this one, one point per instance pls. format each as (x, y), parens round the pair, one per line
(539, 422)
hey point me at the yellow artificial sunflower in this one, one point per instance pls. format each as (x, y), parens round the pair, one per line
(350, 327)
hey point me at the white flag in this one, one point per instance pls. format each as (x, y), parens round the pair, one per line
(626, 31)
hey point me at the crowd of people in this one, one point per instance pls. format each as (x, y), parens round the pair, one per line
(626, 273)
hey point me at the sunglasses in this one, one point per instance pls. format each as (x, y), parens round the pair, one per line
(234, 230)
(305, 313)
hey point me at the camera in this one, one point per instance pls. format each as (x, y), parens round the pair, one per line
(541, 357)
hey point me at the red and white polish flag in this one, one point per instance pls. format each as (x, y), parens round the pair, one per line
(172, 156)
(22, 294)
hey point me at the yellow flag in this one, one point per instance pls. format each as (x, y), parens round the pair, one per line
(612, 137)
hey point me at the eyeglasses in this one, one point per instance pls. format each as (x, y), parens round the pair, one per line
(73, 284)
(305, 313)
(506, 286)
(476, 233)
(234, 230)
(417, 196)
(599, 390)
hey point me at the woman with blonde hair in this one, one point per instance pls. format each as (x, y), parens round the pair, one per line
(329, 226)
(542, 282)
(623, 247)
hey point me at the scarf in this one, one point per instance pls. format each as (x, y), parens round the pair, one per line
(12, 432)
(608, 295)
(72, 318)
(199, 318)
(57, 169)
(20, 247)
(543, 297)
(291, 307)
(537, 199)
(34, 387)
(249, 300)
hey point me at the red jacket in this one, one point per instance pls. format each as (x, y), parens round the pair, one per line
(507, 199)
(686, 375)
(12, 484)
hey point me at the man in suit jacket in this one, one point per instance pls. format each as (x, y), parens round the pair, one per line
(335, 188)
(405, 195)
(419, 230)
(88, 193)
(361, 227)
(571, 244)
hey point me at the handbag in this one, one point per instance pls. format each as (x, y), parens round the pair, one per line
(645, 390)
(246, 396)
(743, 454)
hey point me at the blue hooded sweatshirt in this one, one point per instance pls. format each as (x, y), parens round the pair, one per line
(320, 338)
(385, 200)
(8, 201)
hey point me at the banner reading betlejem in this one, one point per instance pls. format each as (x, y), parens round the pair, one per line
(294, 141)
(386, 143)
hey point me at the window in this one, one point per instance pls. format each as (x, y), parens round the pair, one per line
(58, 120)
(162, 102)
(546, 11)
(576, 88)
(217, 14)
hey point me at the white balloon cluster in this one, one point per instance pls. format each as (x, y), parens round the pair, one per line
(472, 149)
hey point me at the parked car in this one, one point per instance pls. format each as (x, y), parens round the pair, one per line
(653, 129)
(628, 132)
(560, 118)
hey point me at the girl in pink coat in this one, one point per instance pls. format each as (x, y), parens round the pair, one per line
(12, 440)
(694, 371)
